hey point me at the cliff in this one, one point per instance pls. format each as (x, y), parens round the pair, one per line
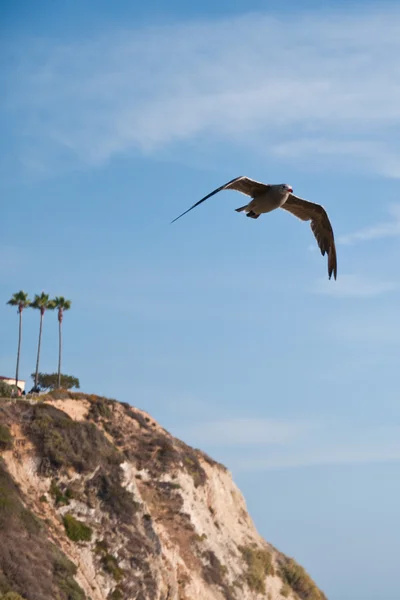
(98, 501)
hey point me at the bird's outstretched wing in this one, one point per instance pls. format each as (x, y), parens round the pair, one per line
(242, 184)
(320, 225)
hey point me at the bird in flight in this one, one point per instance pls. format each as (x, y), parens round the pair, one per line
(267, 197)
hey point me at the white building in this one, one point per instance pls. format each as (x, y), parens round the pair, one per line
(11, 381)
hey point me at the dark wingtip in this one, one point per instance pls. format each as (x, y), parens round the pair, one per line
(332, 271)
(176, 218)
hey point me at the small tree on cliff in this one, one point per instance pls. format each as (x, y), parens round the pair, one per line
(49, 381)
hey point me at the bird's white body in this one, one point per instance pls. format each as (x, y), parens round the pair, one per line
(267, 202)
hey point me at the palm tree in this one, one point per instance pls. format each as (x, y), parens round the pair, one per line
(61, 304)
(41, 303)
(21, 300)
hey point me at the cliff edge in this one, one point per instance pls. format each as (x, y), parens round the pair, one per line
(98, 501)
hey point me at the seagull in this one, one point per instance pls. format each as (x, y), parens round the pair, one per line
(266, 197)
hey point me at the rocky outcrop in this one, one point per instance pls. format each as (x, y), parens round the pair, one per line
(108, 505)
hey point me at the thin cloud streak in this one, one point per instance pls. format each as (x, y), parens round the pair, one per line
(250, 444)
(248, 432)
(381, 448)
(145, 90)
(383, 230)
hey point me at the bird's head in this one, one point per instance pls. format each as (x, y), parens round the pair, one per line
(283, 189)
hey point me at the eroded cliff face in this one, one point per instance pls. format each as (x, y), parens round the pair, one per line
(98, 501)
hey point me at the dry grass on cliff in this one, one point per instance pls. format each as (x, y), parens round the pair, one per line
(30, 564)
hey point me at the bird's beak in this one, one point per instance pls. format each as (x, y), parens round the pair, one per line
(290, 190)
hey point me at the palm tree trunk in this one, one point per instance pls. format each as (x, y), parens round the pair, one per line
(59, 354)
(38, 350)
(19, 347)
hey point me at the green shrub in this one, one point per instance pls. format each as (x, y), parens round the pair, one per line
(64, 571)
(193, 467)
(299, 581)
(101, 547)
(58, 495)
(116, 500)
(39, 569)
(110, 565)
(67, 443)
(6, 440)
(76, 530)
(49, 381)
(6, 390)
(100, 408)
(259, 565)
(285, 590)
(11, 596)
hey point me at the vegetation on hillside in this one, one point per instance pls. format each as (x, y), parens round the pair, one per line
(6, 390)
(6, 440)
(299, 581)
(62, 442)
(95, 448)
(30, 565)
(76, 530)
(259, 565)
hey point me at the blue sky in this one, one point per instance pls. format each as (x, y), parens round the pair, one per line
(117, 117)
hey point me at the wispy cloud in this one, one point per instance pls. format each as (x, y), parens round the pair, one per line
(384, 229)
(248, 432)
(250, 444)
(366, 447)
(355, 286)
(246, 79)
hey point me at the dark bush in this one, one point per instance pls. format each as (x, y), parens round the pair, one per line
(259, 565)
(100, 408)
(158, 453)
(59, 497)
(6, 390)
(110, 565)
(194, 468)
(49, 381)
(76, 530)
(6, 440)
(30, 565)
(136, 416)
(116, 595)
(67, 443)
(299, 581)
(116, 500)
